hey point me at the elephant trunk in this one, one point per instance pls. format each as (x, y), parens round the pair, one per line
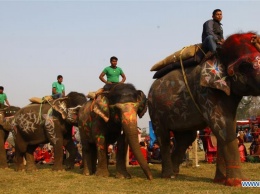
(129, 125)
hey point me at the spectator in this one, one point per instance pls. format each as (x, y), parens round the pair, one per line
(241, 148)
(211, 146)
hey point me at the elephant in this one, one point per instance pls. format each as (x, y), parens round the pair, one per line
(31, 122)
(189, 99)
(6, 116)
(112, 117)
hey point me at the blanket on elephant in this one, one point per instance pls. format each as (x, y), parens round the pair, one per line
(212, 75)
(183, 54)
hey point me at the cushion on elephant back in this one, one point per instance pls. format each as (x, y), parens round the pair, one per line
(183, 54)
(38, 100)
(213, 75)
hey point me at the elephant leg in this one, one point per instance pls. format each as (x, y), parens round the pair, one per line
(19, 160)
(30, 162)
(58, 156)
(122, 145)
(71, 148)
(233, 165)
(20, 149)
(102, 167)
(89, 158)
(183, 141)
(93, 152)
(220, 174)
(3, 159)
(163, 136)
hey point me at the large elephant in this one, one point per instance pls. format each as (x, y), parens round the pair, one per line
(6, 117)
(109, 118)
(189, 99)
(32, 121)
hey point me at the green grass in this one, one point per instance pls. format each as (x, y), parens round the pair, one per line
(191, 180)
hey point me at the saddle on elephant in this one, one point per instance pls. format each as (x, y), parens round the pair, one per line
(188, 56)
(56, 104)
(38, 100)
(104, 90)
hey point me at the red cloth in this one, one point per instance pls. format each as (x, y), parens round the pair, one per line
(211, 150)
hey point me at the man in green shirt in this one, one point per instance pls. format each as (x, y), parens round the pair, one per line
(3, 98)
(58, 89)
(112, 72)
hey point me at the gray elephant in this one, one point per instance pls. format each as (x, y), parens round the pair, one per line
(6, 117)
(189, 99)
(110, 118)
(30, 124)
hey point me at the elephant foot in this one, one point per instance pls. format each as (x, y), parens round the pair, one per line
(3, 166)
(69, 167)
(69, 164)
(86, 173)
(102, 173)
(125, 175)
(57, 168)
(168, 175)
(31, 169)
(235, 182)
(20, 168)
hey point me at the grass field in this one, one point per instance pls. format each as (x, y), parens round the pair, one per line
(191, 180)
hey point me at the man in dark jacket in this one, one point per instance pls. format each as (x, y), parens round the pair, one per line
(212, 35)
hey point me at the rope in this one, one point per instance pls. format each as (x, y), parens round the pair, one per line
(40, 110)
(186, 82)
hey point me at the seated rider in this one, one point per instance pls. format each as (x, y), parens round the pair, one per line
(3, 98)
(112, 73)
(58, 91)
(58, 88)
(212, 34)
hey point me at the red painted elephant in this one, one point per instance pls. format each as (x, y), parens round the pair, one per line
(189, 99)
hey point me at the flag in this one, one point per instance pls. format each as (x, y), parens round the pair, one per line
(152, 135)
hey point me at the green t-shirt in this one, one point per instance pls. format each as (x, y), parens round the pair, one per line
(3, 97)
(113, 74)
(59, 87)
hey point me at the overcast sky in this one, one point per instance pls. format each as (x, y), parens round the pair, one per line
(42, 39)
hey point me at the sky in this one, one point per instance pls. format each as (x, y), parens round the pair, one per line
(42, 39)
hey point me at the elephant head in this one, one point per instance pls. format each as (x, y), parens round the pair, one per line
(6, 117)
(239, 68)
(69, 105)
(122, 105)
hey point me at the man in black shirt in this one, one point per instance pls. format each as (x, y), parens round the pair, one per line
(212, 35)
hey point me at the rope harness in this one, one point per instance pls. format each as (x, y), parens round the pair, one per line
(186, 81)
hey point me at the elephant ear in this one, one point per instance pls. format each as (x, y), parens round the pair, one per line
(142, 108)
(213, 75)
(101, 108)
(60, 106)
(73, 114)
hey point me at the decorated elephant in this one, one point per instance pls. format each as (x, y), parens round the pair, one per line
(189, 99)
(112, 117)
(6, 117)
(32, 121)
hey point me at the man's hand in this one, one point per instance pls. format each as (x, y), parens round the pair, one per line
(220, 42)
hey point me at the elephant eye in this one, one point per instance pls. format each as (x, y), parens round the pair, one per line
(245, 67)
